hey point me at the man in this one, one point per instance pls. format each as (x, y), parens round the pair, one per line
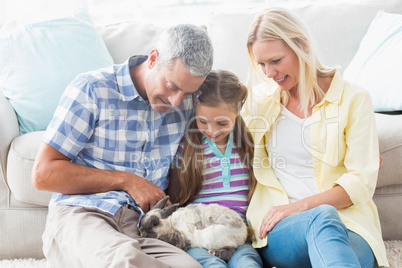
(107, 151)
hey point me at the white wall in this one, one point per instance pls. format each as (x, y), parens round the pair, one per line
(104, 12)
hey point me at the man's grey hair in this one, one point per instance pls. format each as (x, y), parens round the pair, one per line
(188, 43)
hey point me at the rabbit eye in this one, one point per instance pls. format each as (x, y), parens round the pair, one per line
(154, 221)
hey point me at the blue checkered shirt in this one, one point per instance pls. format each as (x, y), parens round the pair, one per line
(102, 122)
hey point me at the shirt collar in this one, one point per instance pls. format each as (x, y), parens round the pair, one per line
(124, 82)
(229, 145)
(276, 96)
(335, 91)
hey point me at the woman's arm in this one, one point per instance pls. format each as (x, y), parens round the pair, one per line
(336, 196)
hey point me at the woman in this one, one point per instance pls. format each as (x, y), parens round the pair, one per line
(316, 154)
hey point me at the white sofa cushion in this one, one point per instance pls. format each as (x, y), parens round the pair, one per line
(376, 66)
(20, 161)
(126, 39)
(39, 59)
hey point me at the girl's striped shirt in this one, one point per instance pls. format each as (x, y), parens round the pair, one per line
(225, 176)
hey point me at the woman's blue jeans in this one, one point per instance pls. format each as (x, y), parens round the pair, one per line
(244, 257)
(316, 238)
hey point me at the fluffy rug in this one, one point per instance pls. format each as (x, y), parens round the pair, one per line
(24, 263)
(394, 253)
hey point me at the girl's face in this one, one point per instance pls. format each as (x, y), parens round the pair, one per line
(278, 62)
(216, 122)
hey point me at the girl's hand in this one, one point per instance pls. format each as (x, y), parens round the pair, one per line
(274, 215)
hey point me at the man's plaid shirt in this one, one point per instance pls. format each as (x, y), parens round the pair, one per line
(102, 122)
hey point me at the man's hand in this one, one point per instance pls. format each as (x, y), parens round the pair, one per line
(146, 194)
(54, 172)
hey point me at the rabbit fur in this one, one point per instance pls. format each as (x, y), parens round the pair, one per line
(214, 227)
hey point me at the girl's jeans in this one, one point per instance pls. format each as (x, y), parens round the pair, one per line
(316, 238)
(244, 257)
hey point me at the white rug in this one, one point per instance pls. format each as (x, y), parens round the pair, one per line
(394, 253)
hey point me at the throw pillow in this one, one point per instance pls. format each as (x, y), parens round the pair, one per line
(377, 63)
(38, 60)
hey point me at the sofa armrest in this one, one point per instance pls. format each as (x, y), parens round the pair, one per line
(9, 130)
(389, 128)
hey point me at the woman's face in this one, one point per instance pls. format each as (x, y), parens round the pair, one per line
(278, 62)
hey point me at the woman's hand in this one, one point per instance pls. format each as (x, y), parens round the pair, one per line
(275, 214)
(381, 162)
(336, 197)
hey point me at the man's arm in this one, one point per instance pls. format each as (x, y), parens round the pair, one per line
(53, 171)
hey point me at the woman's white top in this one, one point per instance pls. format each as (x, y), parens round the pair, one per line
(290, 155)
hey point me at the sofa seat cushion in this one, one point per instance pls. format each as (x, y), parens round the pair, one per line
(20, 161)
(389, 202)
(389, 129)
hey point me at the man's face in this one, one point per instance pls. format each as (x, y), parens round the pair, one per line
(168, 86)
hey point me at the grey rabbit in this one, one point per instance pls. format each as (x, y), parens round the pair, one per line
(214, 227)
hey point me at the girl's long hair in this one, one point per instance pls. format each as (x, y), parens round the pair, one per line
(219, 86)
(281, 24)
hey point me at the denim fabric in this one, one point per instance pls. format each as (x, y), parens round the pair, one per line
(316, 238)
(245, 256)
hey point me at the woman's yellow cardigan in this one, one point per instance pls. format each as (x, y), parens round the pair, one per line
(345, 152)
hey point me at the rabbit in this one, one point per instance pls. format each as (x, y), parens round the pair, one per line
(214, 227)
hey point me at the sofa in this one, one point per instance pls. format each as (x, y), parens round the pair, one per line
(337, 28)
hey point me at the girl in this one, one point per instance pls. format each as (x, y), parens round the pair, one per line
(214, 161)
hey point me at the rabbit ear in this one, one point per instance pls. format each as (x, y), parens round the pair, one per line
(161, 203)
(167, 211)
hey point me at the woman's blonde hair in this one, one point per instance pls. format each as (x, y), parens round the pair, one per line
(219, 86)
(281, 24)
